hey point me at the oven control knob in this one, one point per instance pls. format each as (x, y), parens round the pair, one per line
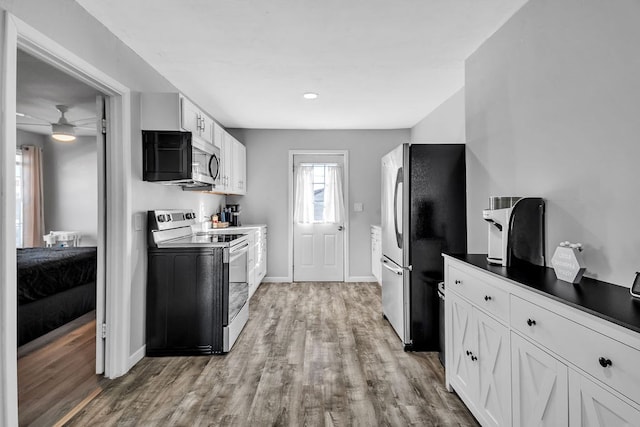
(161, 218)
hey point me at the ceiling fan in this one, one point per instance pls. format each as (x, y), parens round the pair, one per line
(62, 130)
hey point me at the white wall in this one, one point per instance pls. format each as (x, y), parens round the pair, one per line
(552, 107)
(71, 187)
(70, 184)
(267, 185)
(68, 24)
(444, 124)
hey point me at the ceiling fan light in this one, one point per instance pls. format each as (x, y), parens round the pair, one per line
(63, 132)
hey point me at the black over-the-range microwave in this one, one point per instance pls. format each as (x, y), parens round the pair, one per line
(175, 158)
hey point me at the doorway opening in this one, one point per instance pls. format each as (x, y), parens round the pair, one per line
(57, 186)
(318, 226)
(114, 176)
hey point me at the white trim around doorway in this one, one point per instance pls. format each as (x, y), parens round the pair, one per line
(345, 156)
(17, 34)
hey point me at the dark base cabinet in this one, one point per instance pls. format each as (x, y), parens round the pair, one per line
(185, 301)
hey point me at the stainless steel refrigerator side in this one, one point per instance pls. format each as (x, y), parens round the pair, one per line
(392, 226)
(392, 253)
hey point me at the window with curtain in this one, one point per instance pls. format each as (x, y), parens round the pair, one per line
(32, 215)
(19, 217)
(318, 197)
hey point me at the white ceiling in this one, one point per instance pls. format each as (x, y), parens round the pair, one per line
(377, 64)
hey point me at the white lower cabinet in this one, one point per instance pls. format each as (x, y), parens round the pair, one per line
(533, 361)
(540, 396)
(461, 369)
(376, 253)
(591, 405)
(480, 362)
(494, 376)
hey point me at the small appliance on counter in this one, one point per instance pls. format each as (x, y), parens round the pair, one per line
(234, 215)
(635, 288)
(516, 230)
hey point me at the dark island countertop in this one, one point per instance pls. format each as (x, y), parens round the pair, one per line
(604, 300)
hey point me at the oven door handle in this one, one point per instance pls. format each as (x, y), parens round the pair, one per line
(238, 252)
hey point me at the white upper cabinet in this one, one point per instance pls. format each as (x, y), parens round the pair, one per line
(234, 169)
(197, 122)
(218, 135)
(239, 167)
(172, 111)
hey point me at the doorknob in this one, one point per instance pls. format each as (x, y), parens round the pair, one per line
(340, 228)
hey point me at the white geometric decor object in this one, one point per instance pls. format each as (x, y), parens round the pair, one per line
(567, 262)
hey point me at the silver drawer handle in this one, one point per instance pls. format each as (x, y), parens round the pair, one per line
(458, 282)
(386, 265)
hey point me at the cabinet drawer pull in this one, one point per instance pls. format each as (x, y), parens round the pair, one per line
(469, 353)
(487, 298)
(473, 358)
(458, 282)
(531, 322)
(604, 362)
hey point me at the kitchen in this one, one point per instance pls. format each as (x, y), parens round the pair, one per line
(547, 107)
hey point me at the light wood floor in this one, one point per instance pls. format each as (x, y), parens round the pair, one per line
(56, 372)
(311, 354)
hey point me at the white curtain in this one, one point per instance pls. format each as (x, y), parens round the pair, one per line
(32, 196)
(303, 202)
(333, 211)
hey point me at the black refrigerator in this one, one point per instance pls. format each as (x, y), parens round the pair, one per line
(423, 215)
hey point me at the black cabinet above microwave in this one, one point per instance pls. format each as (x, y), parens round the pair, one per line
(172, 157)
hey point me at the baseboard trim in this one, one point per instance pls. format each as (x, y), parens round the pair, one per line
(137, 356)
(361, 279)
(276, 279)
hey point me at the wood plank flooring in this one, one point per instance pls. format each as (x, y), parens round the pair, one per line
(56, 372)
(311, 354)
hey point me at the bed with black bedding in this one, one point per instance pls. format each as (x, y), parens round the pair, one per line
(55, 286)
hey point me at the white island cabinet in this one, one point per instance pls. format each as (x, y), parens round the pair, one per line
(517, 356)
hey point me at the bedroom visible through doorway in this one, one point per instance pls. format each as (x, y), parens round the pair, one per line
(59, 156)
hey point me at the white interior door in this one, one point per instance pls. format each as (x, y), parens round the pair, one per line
(101, 140)
(318, 240)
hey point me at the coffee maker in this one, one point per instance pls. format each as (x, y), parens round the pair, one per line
(516, 230)
(234, 211)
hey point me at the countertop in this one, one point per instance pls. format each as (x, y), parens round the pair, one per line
(241, 226)
(231, 229)
(604, 300)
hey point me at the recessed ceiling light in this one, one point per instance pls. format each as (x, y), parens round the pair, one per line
(310, 95)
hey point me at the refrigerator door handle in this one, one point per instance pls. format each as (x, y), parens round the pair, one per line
(386, 265)
(399, 180)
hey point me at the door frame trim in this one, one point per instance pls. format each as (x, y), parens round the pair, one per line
(117, 279)
(345, 192)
